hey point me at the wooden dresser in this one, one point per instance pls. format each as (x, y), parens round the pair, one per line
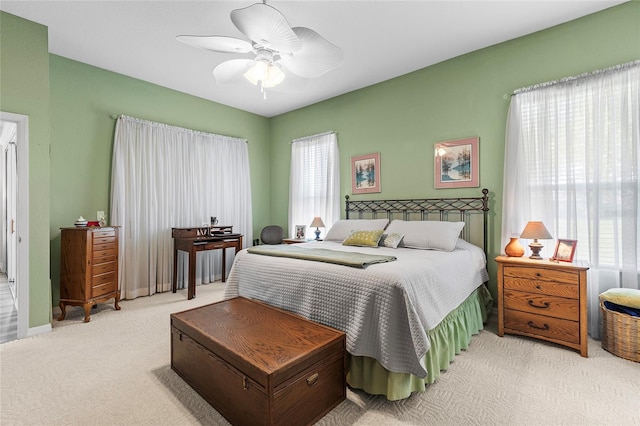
(543, 299)
(88, 268)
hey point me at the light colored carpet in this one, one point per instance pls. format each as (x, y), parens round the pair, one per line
(115, 370)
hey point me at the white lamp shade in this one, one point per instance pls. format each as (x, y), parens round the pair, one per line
(535, 231)
(317, 222)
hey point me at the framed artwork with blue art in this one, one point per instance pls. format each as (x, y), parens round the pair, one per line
(365, 173)
(456, 164)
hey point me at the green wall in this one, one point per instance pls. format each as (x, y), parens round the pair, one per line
(70, 106)
(462, 97)
(83, 100)
(24, 89)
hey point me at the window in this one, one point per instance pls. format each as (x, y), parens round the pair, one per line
(314, 188)
(572, 159)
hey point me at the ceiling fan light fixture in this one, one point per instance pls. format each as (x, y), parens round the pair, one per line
(265, 75)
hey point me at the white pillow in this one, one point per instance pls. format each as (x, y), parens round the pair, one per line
(428, 234)
(342, 228)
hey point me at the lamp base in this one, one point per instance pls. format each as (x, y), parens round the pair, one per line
(535, 247)
(317, 231)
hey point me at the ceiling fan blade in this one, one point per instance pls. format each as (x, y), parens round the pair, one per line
(232, 71)
(317, 56)
(217, 43)
(265, 26)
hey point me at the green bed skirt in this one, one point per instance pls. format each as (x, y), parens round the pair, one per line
(448, 338)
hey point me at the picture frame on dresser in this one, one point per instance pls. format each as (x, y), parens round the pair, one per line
(565, 250)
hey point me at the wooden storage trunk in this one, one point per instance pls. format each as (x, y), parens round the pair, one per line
(256, 364)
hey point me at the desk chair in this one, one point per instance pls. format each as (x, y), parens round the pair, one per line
(271, 234)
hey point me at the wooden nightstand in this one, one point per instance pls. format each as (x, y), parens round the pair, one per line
(544, 300)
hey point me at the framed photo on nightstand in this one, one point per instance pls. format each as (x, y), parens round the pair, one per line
(300, 231)
(565, 249)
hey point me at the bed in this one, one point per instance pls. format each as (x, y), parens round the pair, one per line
(413, 303)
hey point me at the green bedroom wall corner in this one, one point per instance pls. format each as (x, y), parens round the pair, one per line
(84, 99)
(402, 118)
(24, 89)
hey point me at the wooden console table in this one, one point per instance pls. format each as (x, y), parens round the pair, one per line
(193, 240)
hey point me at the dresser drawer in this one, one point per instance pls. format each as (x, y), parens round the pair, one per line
(102, 268)
(101, 256)
(540, 325)
(104, 246)
(542, 304)
(107, 232)
(558, 283)
(104, 240)
(104, 278)
(103, 289)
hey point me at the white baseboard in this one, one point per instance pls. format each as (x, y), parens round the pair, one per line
(34, 331)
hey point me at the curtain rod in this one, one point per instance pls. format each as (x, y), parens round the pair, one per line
(572, 79)
(314, 136)
(116, 116)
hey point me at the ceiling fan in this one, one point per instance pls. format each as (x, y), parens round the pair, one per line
(277, 49)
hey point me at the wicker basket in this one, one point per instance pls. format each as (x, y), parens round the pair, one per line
(620, 334)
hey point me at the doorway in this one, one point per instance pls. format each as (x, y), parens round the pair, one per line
(14, 226)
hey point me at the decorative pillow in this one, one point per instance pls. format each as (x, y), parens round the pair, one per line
(622, 296)
(363, 238)
(390, 240)
(427, 235)
(342, 228)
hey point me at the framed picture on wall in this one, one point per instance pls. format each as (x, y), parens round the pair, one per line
(565, 249)
(300, 232)
(456, 164)
(365, 173)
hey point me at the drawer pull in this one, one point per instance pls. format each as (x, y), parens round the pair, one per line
(245, 385)
(532, 325)
(312, 380)
(544, 305)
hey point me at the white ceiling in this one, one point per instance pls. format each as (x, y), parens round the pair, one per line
(380, 39)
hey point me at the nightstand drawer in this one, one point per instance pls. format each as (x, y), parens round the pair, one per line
(540, 325)
(539, 274)
(542, 304)
(571, 291)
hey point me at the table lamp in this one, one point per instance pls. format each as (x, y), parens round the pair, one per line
(534, 231)
(317, 223)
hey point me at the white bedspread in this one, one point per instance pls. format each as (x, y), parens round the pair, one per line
(385, 309)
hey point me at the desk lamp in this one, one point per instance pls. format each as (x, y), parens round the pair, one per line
(534, 231)
(317, 223)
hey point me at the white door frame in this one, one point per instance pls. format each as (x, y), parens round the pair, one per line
(22, 219)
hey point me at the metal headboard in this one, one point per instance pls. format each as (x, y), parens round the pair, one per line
(444, 209)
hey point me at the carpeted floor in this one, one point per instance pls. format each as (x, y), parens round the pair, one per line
(115, 370)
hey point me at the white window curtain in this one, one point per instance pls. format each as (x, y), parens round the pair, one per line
(572, 160)
(167, 177)
(314, 182)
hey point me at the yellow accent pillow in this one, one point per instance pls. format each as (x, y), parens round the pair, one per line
(363, 238)
(622, 296)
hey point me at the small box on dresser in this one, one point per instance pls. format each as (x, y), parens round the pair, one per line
(543, 299)
(88, 268)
